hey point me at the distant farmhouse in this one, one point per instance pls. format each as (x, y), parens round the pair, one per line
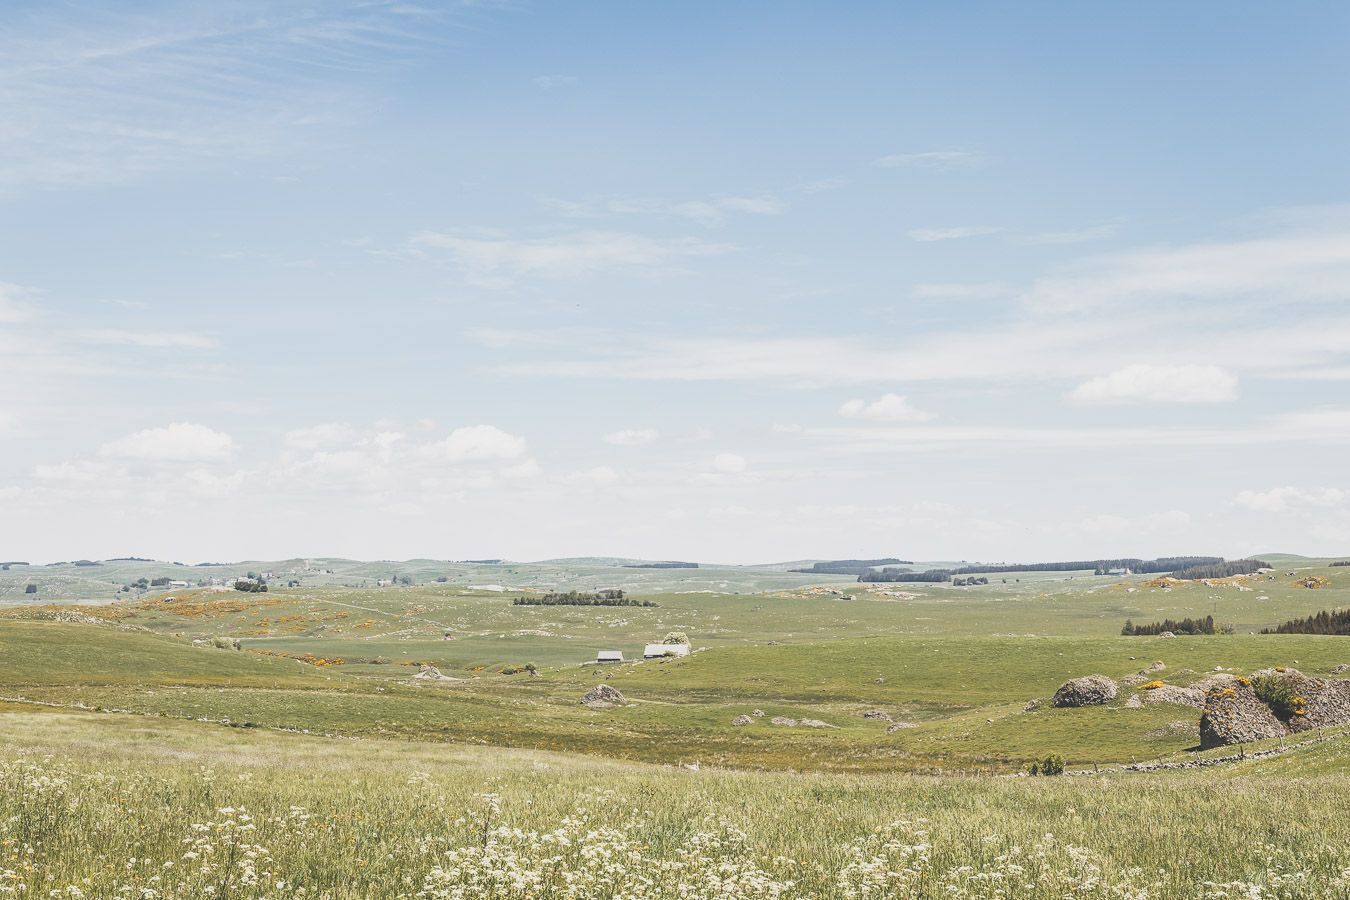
(609, 656)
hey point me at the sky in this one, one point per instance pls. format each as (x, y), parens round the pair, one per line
(724, 282)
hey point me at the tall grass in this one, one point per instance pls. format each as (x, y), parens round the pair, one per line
(111, 806)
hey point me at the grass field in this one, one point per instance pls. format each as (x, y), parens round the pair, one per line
(131, 701)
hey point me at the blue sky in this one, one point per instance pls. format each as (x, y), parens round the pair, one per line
(727, 282)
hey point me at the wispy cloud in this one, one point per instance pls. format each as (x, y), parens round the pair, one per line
(933, 159)
(499, 261)
(98, 96)
(950, 234)
(632, 437)
(1159, 384)
(706, 211)
(1271, 270)
(1285, 499)
(978, 290)
(155, 340)
(1077, 236)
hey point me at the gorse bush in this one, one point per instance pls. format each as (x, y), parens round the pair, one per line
(1280, 694)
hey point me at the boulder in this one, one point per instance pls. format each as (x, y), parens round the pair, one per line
(1235, 715)
(1339, 669)
(742, 720)
(603, 696)
(877, 714)
(1090, 690)
(758, 714)
(1034, 703)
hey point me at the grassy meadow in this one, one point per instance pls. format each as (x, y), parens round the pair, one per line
(130, 737)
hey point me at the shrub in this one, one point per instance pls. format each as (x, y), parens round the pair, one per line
(1280, 694)
(1053, 764)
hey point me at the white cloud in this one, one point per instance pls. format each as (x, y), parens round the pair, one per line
(476, 443)
(888, 408)
(156, 340)
(530, 468)
(929, 235)
(316, 436)
(1272, 270)
(632, 437)
(179, 442)
(729, 463)
(1284, 499)
(1160, 384)
(497, 261)
(599, 476)
(932, 159)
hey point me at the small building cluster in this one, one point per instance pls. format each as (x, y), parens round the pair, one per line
(650, 651)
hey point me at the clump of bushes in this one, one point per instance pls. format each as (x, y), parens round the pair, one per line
(1053, 764)
(226, 643)
(675, 637)
(516, 670)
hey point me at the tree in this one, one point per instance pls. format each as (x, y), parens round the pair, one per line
(1129, 627)
(675, 637)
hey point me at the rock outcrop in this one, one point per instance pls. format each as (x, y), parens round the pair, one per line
(603, 696)
(742, 720)
(1090, 690)
(1235, 715)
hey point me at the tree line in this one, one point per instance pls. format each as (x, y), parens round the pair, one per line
(1176, 626)
(1336, 621)
(893, 574)
(1099, 566)
(1221, 569)
(582, 598)
(851, 566)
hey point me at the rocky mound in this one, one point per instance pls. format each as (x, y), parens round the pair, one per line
(1235, 715)
(742, 720)
(431, 673)
(1090, 690)
(898, 726)
(602, 696)
(1171, 693)
(878, 714)
(783, 720)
